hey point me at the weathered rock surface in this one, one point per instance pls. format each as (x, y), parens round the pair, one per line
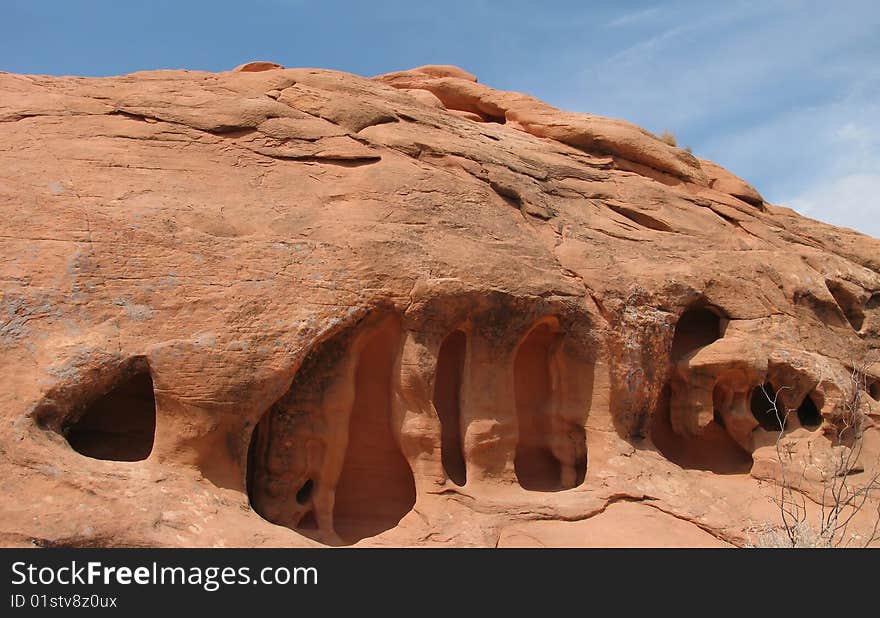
(285, 307)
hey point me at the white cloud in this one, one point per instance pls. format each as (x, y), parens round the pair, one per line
(628, 19)
(848, 192)
(851, 200)
(784, 94)
(825, 159)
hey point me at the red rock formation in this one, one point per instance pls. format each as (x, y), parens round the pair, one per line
(286, 307)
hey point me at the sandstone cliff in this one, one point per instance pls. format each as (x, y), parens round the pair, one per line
(286, 307)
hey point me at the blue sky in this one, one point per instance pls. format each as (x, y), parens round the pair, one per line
(784, 93)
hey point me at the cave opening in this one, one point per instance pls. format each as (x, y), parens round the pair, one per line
(874, 390)
(536, 467)
(305, 492)
(714, 450)
(769, 416)
(376, 488)
(447, 402)
(697, 328)
(808, 413)
(120, 425)
(370, 486)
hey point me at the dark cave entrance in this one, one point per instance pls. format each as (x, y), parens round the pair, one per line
(874, 390)
(769, 417)
(120, 425)
(447, 402)
(809, 414)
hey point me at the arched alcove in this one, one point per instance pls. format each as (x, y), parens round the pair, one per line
(120, 425)
(376, 487)
(714, 449)
(696, 328)
(329, 444)
(536, 466)
(447, 402)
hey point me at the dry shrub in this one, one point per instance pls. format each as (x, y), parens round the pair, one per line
(668, 137)
(843, 493)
